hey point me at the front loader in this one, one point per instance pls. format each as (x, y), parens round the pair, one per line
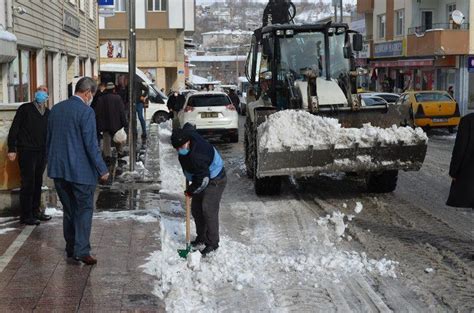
(310, 67)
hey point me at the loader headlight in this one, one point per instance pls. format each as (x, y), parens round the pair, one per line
(290, 32)
(280, 32)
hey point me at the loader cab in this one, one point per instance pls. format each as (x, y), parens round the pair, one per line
(281, 55)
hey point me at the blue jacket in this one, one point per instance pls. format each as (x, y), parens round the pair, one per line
(202, 163)
(72, 147)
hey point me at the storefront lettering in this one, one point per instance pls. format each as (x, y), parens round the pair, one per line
(388, 49)
(71, 24)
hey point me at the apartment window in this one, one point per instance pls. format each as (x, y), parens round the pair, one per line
(91, 9)
(82, 5)
(72, 1)
(449, 9)
(381, 25)
(120, 5)
(157, 5)
(399, 22)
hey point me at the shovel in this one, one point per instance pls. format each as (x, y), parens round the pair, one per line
(184, 252)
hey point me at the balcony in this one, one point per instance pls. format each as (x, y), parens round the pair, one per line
(438, 40)
(365, 6)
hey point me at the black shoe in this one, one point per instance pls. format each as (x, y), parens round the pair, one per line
(41, 216)
(197, 242)
(30, 221)
(70, 254)
(208, 249)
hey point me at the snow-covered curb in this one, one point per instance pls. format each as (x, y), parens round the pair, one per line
(141, 216)
(298, 130)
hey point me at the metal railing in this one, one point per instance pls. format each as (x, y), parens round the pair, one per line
(422, 29)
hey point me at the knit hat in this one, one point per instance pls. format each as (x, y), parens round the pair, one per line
(179, 138)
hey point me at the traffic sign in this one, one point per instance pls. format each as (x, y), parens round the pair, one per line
(106, 3)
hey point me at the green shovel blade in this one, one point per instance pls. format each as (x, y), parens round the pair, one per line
(184, 252)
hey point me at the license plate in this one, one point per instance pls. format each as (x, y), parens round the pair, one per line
(440, 120)
(209, 114)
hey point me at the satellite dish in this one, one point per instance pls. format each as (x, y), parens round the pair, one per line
(457, 17)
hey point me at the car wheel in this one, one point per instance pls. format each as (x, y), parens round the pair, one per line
(160, 117)
(268, 186)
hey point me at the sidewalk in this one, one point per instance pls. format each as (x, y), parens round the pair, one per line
(36, 275)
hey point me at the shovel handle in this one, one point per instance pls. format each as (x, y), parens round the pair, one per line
(188, 220)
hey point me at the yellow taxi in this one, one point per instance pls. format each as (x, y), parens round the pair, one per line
(431, 109)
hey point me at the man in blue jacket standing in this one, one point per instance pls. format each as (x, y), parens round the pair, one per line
(75, 163)
(204, 169)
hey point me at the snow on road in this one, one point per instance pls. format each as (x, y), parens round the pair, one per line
(263, 262)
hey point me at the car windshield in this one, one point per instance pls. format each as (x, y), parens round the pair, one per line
(432, 96)
(208, 101)
(307, 51)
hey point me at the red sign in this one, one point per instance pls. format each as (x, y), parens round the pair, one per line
(404, 63)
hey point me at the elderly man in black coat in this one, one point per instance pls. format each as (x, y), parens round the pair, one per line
(462, 166)
(110, 116)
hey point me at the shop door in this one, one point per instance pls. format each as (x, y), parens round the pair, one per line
(427, 19)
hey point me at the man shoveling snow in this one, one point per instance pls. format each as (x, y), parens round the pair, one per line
(204, 169)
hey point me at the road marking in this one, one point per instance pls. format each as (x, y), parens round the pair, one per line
(15, 246)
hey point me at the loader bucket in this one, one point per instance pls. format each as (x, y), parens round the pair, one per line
(313, 161)
(373, 157)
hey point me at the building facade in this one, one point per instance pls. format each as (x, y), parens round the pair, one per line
(55, 41)
(224, 68)
(418, 45)
(161, 26)
(226, 42)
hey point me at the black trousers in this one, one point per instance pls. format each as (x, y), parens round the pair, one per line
(32, 164)
(205, 211)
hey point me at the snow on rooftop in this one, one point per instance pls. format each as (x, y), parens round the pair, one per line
(229, 32)
(217, 58)
(296, 130)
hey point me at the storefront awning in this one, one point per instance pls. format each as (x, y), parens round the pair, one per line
(403, 63)
(8, 50)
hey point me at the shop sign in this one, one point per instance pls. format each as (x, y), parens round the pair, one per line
(365, 53)
(71, 24)
(388, 49)
(470, 64)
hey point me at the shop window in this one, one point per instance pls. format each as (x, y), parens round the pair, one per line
(381, 25)
(157, 5)
(121, 5)
(22, 76)
(400, 22)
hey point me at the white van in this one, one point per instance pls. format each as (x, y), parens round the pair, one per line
(157, 111)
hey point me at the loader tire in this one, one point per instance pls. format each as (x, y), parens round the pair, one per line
(268, 186)
(382, 182)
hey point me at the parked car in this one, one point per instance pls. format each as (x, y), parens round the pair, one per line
(391, 98)
(212, 113)
(431, 109)
(372, 100)
(157, 111)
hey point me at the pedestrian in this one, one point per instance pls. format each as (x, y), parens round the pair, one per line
(75, 164)
(451, 91)
(27, 141)
(141, 92)
(461, 169)
(175, 103)
(234, 98)
(110, 117)
(204, 169)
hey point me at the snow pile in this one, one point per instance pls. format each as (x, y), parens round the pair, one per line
(6, 230)
(358, 207)
(192, 285)
(298, 130)
(139, 216)
(172, 179)
(54, 212)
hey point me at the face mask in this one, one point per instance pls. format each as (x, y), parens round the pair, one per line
(41, 96)
(89, 102)
(183, 151)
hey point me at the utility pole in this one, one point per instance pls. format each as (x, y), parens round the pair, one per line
(342, 14)
(132, 127)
